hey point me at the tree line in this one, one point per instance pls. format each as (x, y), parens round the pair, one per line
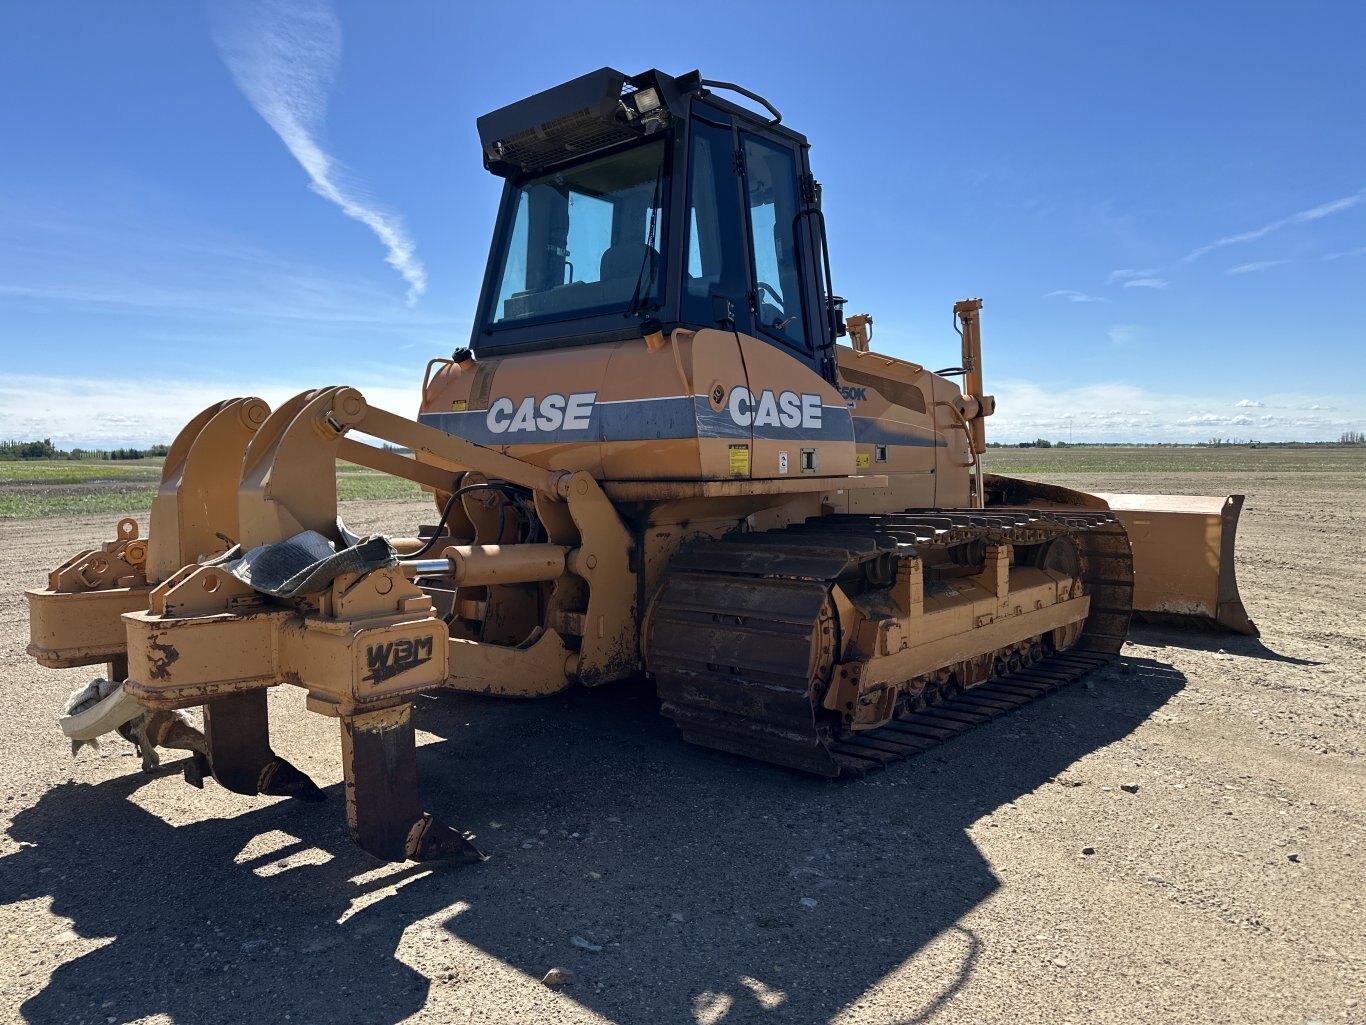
(15, 450)
(1347, 438)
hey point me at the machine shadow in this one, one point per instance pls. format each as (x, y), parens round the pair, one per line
(272, 951)
(713, 883)
(694, 872)
(1165, 635)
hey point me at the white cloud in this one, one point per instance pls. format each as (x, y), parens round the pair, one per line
(115, 412)
(1111, 412)
(1117, 276)
(107, 412)
(1073, 296)
(1255, 266)
(1249, 404)
(1303, 217)
(1206, 419)
(1151, 277)
(283, 56)
(1121, 335)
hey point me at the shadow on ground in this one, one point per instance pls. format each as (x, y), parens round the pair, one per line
(1162, 636)
(687, 867)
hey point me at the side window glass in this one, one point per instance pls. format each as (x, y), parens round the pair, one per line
(515, 268)
(586, 239)
(694, 246)
(771, 195)
(716, 256)
(590, 235)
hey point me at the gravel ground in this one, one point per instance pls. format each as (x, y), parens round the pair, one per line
(1218, 783)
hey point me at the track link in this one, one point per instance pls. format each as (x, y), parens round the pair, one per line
(736, 632)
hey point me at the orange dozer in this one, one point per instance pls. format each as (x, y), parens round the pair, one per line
(666, 457)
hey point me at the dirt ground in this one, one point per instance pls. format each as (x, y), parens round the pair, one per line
(1228, 888)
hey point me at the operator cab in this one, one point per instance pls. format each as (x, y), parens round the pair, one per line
(632, 200)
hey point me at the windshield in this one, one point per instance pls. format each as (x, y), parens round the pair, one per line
(585, 240)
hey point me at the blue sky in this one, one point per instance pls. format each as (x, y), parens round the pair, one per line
(1163, 204)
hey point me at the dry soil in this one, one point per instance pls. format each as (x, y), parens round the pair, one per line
(1219, 782)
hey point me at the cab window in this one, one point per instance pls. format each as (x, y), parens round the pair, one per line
(771, 194)
(586, 239)
(715, 258)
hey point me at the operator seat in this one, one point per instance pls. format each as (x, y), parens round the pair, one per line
(628, 260)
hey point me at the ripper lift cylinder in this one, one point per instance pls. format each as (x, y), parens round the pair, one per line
(476, 565)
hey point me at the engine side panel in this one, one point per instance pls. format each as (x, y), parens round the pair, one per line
(710, 405)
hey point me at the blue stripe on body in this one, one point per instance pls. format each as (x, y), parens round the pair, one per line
(633, 420)
(664, 419)
(871, 431)
(835, 425)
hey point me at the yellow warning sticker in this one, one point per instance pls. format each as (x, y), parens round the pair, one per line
(739, 460)
(863, 460)
(459, 405)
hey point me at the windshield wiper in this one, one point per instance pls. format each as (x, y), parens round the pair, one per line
(646, 257)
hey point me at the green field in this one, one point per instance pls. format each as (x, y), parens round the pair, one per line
(66, 471)
(1174, 459)
(35, 489)
(42, 488)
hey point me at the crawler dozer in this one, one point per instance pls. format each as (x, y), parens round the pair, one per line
(666, 456)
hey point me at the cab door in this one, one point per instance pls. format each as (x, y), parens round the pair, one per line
(715, 290)
(773, 206)
(800, 423)
(747, 268)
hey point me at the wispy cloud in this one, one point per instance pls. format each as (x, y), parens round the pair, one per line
(1255, 266)
(1361, 251)
(1151, 277)
(113, 412)
(1073, 296)
(283, 56)
(1116, 412)
(104, 412)
(1315, 213)
(141, 259)
(1116, 276)
(1121, 335)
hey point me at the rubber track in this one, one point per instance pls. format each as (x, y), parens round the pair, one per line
(730, 635)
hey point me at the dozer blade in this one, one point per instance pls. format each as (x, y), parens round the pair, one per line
(1183, 558)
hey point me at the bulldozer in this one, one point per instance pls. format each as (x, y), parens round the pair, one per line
(668, 457)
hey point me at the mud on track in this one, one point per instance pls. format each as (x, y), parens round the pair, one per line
(951, 888)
